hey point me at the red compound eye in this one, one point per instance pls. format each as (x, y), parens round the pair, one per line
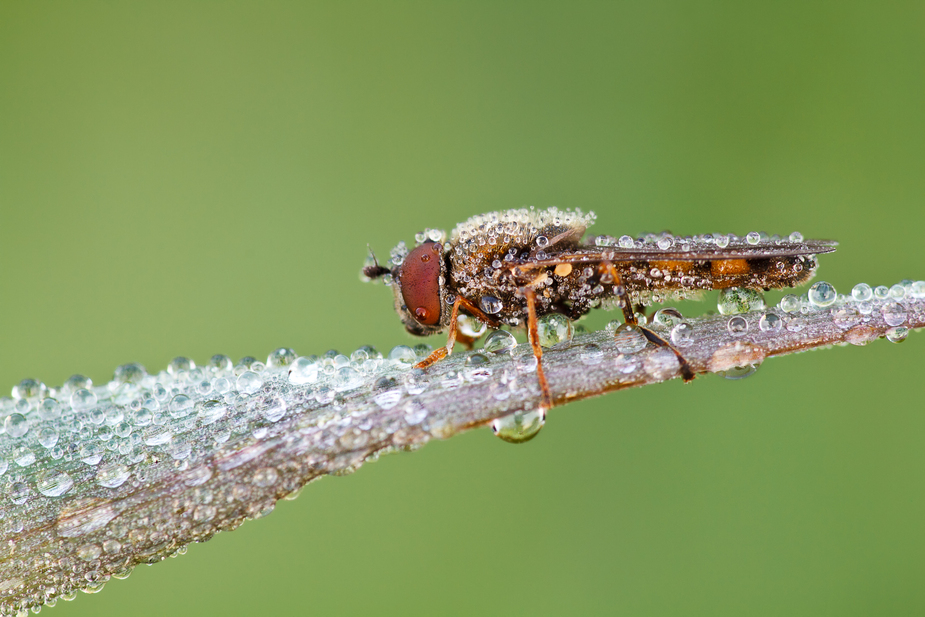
(420, 284)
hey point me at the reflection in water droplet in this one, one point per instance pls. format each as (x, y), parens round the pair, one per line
(520, 426)
(789, 303)
(740, 372)
(499, 341)
(129, 373)
(897, 335)
(402, 355)
(668, 317)
(682, 334)
(490, 304)
(54, 483)
(249, 382)
(179, 364)
(893, 314)
(553, 329)
(281, 357)
(769, 322)
(737, 300)
(16, 425)
(737, 326)
(822, 294)
(470, 326)
(629, 339)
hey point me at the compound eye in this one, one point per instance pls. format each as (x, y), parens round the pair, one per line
(420, 283)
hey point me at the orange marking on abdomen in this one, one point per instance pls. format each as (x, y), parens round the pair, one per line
(725, 267)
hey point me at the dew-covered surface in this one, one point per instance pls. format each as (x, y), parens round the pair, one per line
(97, 478)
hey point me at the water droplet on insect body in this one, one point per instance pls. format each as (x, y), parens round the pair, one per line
(490, 304)
(520, 426)
(796, 237)
(881, 292)
(470, 326)
(83, 399)
(132, 373)
(753, 237)
(897, 334)
(553, 329)
(303, 371)
(499, 341)
(626, 242)
(740, 372)
(822, 294)
(29, 389)
(735, 300)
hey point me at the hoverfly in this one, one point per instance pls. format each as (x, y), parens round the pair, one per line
(511, 267)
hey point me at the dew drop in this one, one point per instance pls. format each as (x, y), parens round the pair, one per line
(347, 378)
(542, 241)
(274, 409)
(897, 334)
(180, 406)
(553, 329)
(82, 399)
(220, 363)
(591, 354)
(49, 409)
(881, 292)
(668, 317)
(303, 371)
(737, 326)
(770, 322)
(16, 425)
(499, 341)
(281, 357)
(862, 292)
(682, 334)
(23, 456)
(402, 355)
(520, 426)
(790, 303)
(249, 382)
(179, 364)
(490, 304)
(893, 314)
(129, 373)
(753, 237)
(54, 483)
(629, 339)
(822, 294)
(796, 237)
(897, 292)
(89, 552)
(29, 389)
(740, 372)
(470, 326)
(737, 300)
(112, 475)
(19, 492)
(265, 477)
(626, 242)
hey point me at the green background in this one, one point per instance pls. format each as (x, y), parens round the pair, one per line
(200, 178)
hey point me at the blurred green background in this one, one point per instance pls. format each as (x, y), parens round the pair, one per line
(199, 178)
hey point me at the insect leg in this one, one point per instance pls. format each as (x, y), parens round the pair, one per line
(687, 373)
(441, 352)
(533, 335)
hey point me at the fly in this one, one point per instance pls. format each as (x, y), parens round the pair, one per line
(512, 267)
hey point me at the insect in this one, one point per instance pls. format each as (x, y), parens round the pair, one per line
(512, 267)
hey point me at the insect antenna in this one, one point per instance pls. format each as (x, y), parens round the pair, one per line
(374, 270)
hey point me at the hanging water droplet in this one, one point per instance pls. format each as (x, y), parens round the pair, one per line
(629, 339)
(553, 329)
(129, 373)
(490, 304)
(737, 326)
(893, 314)
(897, 334)
(737, 300)
(54, 483)
(281, 357)
(16, 425)
(520, 426)
(499, 341)
(822, 294)
(740, 372)
(470, 326)
(769, 322)
(682, 334)
(249, 382)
